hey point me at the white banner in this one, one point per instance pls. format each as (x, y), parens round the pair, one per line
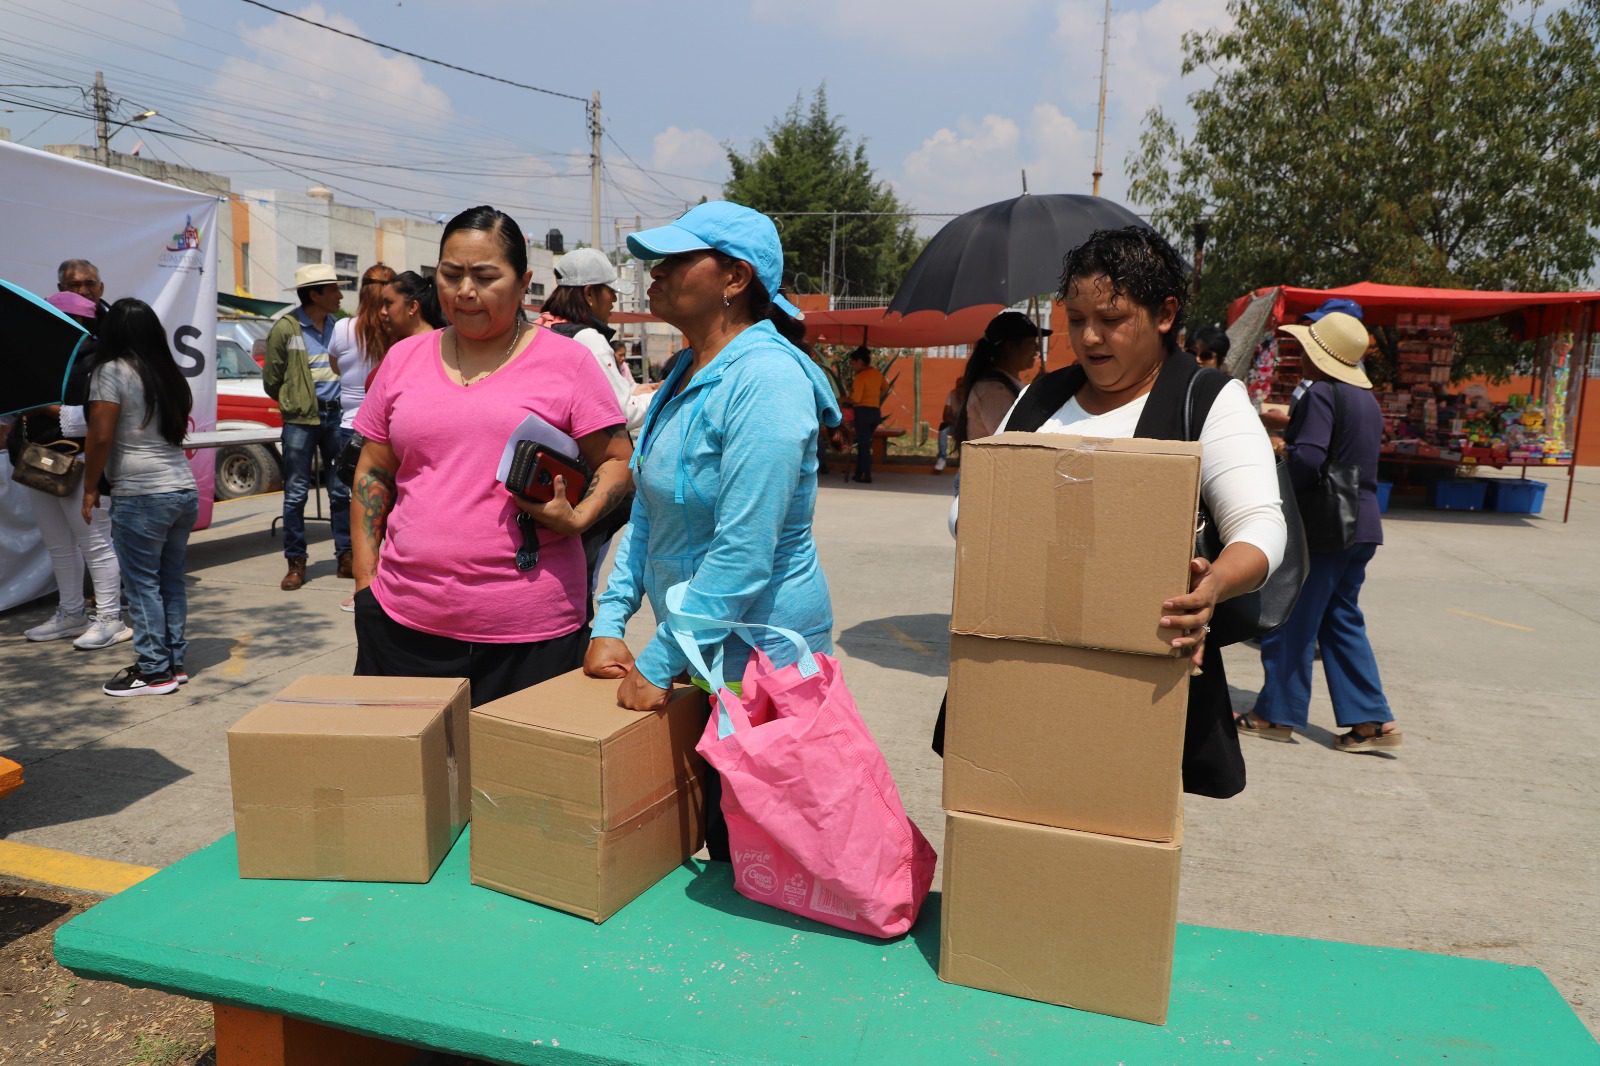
(150, 240)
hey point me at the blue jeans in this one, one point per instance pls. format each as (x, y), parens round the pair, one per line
(151, 536)
(300, 443)
(1326, 613)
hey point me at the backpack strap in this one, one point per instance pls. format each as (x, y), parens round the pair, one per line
(1044, 398)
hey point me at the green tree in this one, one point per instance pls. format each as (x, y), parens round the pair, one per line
(808, 163)
(1402, 141)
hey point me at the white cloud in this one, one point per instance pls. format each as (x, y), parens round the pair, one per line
(956, 169)
(693, 152)
(923, 28)
(1145, 71)
(296, 70)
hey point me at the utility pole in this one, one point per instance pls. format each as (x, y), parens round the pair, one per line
(594, 170)
(102, 119)
(833, 238)
(1100, 127)
(639, 301)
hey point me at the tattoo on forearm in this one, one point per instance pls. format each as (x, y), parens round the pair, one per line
(375, 491)
(614, 496)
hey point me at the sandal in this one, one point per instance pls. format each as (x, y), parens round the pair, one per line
(1265, 730)
(1355, 740)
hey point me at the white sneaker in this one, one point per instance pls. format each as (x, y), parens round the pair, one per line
(61, 624)
(102, 633)
(938, 466)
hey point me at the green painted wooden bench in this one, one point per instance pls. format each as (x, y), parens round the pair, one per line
(692, 973)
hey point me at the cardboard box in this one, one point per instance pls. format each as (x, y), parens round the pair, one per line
(351, 779)
(578, 804)
(1059, 916)
(1066, 737)
(453, 693)
(1074, 540)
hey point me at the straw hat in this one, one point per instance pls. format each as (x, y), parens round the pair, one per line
(1336, 343)
(313, 274)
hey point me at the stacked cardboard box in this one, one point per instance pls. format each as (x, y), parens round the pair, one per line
(1064, 738)
(578, 804)
(351, 779)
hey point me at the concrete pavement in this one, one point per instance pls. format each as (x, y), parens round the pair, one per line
(1480, 838)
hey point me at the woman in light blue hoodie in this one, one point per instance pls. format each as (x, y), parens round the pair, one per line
(725, 467)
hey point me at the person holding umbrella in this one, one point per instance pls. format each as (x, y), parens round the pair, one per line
(73, 545)
(1008, 349)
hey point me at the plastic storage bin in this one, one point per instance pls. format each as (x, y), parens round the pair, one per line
(1460, 494)
(1516, 497)
(1385, 490)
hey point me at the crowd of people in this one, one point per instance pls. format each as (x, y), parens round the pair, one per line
(712, 474)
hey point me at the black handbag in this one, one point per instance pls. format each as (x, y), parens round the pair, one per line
(345, 465)
(1254, 614)
(1331, 507)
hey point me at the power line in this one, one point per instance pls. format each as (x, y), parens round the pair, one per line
(413, 55)
(641, 169)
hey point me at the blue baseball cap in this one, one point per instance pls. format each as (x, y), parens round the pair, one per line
(1348, 307)
(722, 226)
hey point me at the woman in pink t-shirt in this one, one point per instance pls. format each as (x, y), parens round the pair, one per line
(455, 577)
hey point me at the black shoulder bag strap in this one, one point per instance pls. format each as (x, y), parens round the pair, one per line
(1044, 398)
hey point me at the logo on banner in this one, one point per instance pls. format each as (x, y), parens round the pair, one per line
(182, 250)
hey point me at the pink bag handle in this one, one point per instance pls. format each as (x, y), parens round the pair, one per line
(686, 634)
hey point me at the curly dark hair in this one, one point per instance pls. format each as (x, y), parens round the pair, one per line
(1140, 265)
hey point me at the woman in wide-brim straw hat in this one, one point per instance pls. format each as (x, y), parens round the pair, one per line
(1328, 611)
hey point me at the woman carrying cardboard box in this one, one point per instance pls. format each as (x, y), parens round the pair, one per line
(1124, 293)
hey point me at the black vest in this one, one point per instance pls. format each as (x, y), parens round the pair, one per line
(1212, 763)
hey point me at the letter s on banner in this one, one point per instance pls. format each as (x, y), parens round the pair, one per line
(190, 360)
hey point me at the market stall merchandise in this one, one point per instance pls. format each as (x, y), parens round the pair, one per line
(1427, 419)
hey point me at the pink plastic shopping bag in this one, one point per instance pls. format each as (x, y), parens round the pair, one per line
(815, 822)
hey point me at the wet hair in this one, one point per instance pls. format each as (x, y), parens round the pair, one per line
(570, 303)
(862, 355)
(413, 286)
(762, 308)
(1215, 340)
(69, 265)
(131, 331)
(371, 340)
(1140, 265)
(489, 220)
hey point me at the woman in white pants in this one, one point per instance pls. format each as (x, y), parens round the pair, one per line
(73, 544)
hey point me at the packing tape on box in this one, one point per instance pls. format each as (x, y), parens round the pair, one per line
(327, 833)
(1073, 495)
(457, 815)
(552, 820)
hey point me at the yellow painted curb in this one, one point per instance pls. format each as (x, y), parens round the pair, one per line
(63, 869)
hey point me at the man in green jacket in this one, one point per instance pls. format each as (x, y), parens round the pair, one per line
(299, 375)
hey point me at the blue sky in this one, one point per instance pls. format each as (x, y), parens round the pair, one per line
(953, 98)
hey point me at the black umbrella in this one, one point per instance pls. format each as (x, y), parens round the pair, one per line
(37, 347)
(1005, 252)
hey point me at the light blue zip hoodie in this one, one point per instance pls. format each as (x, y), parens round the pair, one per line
(725, 473)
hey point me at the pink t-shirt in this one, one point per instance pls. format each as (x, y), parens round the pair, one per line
(447, 565)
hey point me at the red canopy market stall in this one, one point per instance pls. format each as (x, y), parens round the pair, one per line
(1425, 423)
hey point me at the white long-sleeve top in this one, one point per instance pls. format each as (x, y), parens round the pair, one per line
(633, 407)
(1238, 472)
